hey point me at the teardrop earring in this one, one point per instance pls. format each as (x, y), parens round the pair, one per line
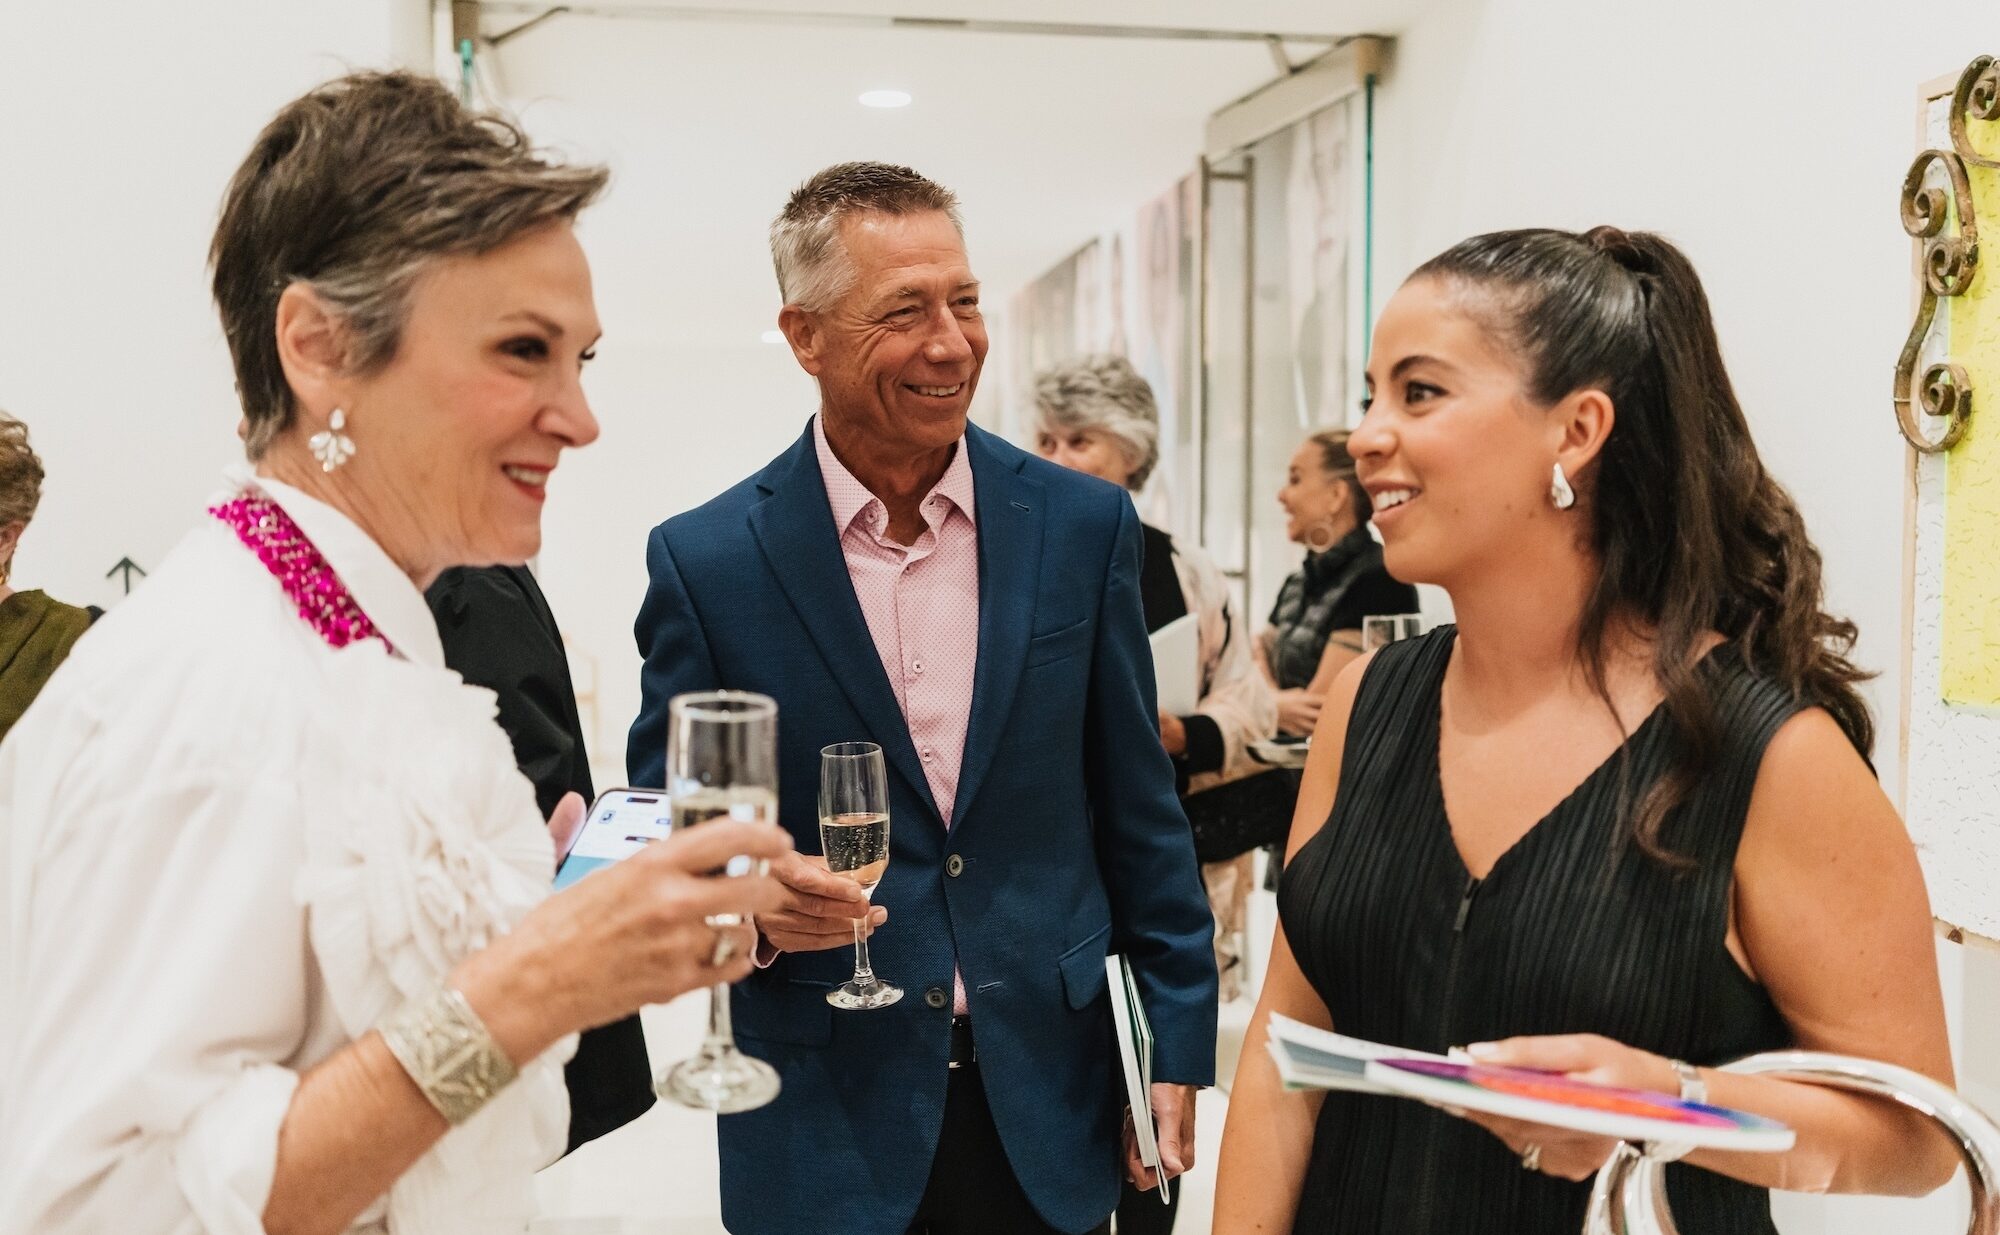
(331, 445)
(1560, 492)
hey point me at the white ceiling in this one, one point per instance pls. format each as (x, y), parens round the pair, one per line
(1285, 16)
(708, 124)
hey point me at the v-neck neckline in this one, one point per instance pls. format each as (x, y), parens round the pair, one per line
(1562, 806)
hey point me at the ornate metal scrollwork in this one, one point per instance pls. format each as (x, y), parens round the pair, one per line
(1977, 97)
(1944, 391)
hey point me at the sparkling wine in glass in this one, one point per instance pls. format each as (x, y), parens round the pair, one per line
(854, 834)
(722, 763)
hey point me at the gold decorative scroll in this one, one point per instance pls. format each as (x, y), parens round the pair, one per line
(1943, 220)
(1977, 98)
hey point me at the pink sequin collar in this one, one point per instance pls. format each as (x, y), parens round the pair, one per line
(323, 600)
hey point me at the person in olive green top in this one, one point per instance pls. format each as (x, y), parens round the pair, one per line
(35, 631)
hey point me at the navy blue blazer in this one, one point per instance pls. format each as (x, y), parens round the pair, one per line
(1067, 843)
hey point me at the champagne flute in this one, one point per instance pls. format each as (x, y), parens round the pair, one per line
(722, 763)
(1384, 629)
(854, 833)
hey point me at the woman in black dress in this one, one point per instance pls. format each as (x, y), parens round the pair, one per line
(1617, 823)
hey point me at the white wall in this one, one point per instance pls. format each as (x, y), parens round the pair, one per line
(681, 424)
(120, 123)
(1770, 141)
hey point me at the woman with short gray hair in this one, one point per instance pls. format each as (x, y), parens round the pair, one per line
(277, 949)
(1097, 415)
(1099, 403)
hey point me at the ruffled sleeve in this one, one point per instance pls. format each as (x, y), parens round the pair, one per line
(420, 852)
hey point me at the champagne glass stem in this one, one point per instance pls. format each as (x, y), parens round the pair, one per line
(864, 973)
(721, 1033)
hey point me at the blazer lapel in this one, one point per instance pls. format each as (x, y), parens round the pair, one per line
(1011, 511)
(794, 528)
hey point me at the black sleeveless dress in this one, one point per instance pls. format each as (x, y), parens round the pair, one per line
(1573, 931)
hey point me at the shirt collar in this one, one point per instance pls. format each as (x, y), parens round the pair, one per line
(377, 584)
(849, 497)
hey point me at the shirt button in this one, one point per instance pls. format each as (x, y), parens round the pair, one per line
(916, 666)
(935, 997)
(927, 754)
(954, 866)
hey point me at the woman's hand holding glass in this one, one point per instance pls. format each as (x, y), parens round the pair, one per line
(632, 934)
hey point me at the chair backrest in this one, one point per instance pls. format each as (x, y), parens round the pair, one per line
(1630, 1194)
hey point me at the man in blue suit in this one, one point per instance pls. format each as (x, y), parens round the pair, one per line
(900, 576)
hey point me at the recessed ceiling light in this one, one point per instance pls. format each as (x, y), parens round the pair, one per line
(773, 336)
(886, 98)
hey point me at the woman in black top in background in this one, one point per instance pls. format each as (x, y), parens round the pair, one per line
(1316, 624)
(498, 632)
(1618, 822)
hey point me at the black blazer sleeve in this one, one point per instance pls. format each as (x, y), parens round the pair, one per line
(498, 632)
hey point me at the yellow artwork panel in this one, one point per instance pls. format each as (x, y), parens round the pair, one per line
(1971, 638)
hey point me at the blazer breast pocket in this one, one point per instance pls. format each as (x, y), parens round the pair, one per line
(1060, 644)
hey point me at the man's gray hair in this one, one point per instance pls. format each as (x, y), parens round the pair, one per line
(1107, 394)
(813, 267)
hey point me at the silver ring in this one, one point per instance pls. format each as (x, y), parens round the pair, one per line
(1531, 1158)
(725, 948)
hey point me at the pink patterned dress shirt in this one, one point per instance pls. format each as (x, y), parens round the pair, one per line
(921, 603)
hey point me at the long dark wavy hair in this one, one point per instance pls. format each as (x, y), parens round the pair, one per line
(1691, 533)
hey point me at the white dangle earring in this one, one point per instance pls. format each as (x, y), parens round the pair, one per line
(1560, 493)
(331, 445)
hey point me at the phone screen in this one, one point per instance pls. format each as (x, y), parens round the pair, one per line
(621, 822)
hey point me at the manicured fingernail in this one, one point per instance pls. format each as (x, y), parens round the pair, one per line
(1482, 1050)
(1456, 1112)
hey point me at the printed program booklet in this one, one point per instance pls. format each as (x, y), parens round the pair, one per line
(1135, 1051)
(1309, 1058)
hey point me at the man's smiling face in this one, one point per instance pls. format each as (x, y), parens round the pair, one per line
(898, 354)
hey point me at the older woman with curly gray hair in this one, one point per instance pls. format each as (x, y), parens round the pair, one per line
(277, 948)
(36, 632)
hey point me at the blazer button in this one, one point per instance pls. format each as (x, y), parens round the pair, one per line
(954, 866)
(935, 997)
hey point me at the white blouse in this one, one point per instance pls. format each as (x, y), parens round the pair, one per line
(227, 850)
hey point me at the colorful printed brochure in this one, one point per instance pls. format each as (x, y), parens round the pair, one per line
(1309, 1058)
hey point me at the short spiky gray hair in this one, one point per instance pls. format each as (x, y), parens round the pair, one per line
(355, 189)
(813, 270)
(1107, 394)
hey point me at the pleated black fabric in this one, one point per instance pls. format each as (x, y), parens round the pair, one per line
(1573, 931)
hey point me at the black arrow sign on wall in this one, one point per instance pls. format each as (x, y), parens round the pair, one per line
(129, 566)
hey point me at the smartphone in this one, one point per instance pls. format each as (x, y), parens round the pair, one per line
(621, 822)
